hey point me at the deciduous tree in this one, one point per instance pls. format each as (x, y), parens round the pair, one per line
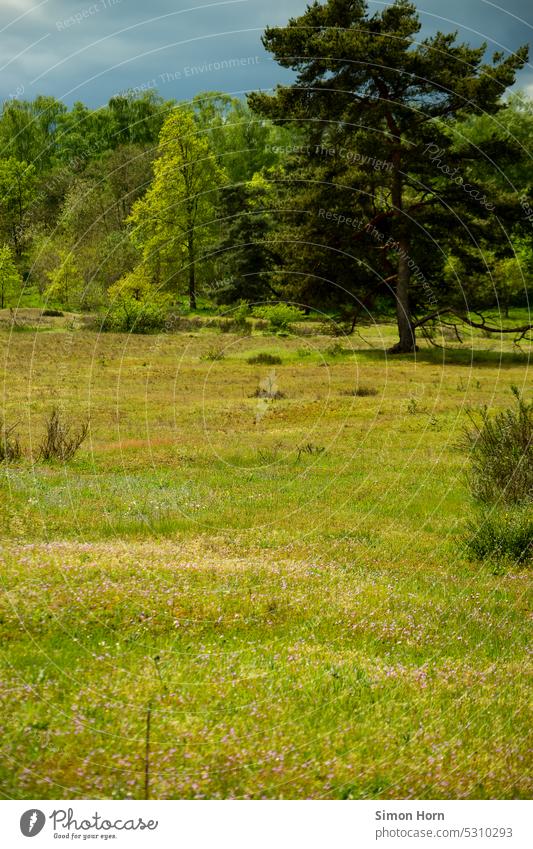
(175, 219)
(10, 277)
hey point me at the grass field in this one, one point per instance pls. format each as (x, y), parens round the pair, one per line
(280, 585)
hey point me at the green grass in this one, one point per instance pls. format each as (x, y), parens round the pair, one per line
(304, 623)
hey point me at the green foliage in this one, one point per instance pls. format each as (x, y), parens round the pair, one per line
(243, 143)
(17, 195)
(213, 355)
(10, 277)
(238, 321)
(296, 199)
(66, 284)
(135, 305)
(87, 169)
(245, 256)
(510, 282)
(174, 221)
(28, 130)
(279, 316)
(378, 181)
(136, 119)
(129, 315)
(501, 450)
(134, 285)
(506, 535)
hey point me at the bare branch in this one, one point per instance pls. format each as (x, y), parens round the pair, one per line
(521, 331)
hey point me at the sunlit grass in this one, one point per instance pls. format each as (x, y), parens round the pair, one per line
(303, 621)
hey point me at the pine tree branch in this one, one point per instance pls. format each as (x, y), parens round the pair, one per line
(521, 330)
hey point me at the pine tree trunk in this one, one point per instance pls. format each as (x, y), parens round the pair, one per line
(407, 341)
(406, 331)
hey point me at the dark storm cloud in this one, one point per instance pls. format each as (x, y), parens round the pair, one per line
(91, 49)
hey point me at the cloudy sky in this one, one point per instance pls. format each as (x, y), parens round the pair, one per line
(91, 49)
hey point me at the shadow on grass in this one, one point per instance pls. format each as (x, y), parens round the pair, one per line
(451, 357)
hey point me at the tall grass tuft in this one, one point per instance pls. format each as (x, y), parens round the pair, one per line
(501, 449)
(263, 358)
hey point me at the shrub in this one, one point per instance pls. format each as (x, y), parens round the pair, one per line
(238, 321)
(235, 325)
(264, 359)
(213, 354)
(52, 313)
(362, 391)
(501, 449)
(310, 449)
(241, 313)
(501, 535)
(336, 349)
(279, 316)
(60, 441)
(131, 316)
(10, 449)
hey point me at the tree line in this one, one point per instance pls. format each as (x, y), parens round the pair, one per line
(393, 174)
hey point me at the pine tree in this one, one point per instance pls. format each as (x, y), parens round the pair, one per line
(367, 86)
(245, 253)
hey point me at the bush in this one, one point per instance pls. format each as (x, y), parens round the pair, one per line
(501, 448)
(501, 535)
(336, 349)
(60, 442)
(213, 355)
(279, 316)
(52, 313)
(10, 449)
(229, 325)
(131, 316)
(264, 359)
(362, 391)
(238, 321)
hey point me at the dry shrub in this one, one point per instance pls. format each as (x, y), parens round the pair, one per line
(10, 449)
(60, 440)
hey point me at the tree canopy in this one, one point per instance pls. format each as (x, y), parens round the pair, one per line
(392, 175)
(365, 84)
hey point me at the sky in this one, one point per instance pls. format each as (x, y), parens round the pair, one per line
(90, 50)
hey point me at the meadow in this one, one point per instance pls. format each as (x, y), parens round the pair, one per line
(226, 595)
